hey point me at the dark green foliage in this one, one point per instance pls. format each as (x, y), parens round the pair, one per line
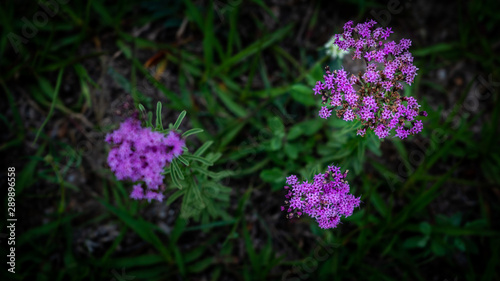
(241, 75)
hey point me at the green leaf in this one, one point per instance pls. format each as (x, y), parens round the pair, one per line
(374, 146)
(274, 175)
(425, 228)
(179, 120)
(434, 49)
(199, 159)
(211, 225)
(103, 13)
(52, 105)
(142, 228)
(227, 100)
(201, 265)
(174, 176)
(192, 203)
(477, 224)
(194, 254)
(424, 198)
(27, 176)
(275, 143)
(193, 13)
(183, 160)
(120, 80)
(295, 132)
(203, 148)
(459, 243)
(379, 204)
(178, 229)
(217, 176)
(254, 258)
(416, 242)
(460, 231)
(213, 157)
(174, 196)
(292, 150)
(142, 109)
(208, 39)
(311, 126)
(159, 125)
(149, 123)
(231, 133)
(143, 260)
(266, 8)
(303, 94)
(438, 248)
(276, 126)
(253, 48)
(44, 229)
(177, 169)
(192, 132)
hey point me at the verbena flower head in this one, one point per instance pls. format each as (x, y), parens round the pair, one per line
(326, 199)
(373, 96)
(140, 155)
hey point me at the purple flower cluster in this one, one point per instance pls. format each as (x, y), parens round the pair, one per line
(326, 199)
(373, 96)
(139, 154)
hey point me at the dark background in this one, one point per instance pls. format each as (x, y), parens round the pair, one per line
(243, 71)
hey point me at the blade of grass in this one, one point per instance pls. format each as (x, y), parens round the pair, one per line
(142, 228)
(54, 99)
(253, 48)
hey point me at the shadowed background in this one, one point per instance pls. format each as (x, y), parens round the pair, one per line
(244, 72)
